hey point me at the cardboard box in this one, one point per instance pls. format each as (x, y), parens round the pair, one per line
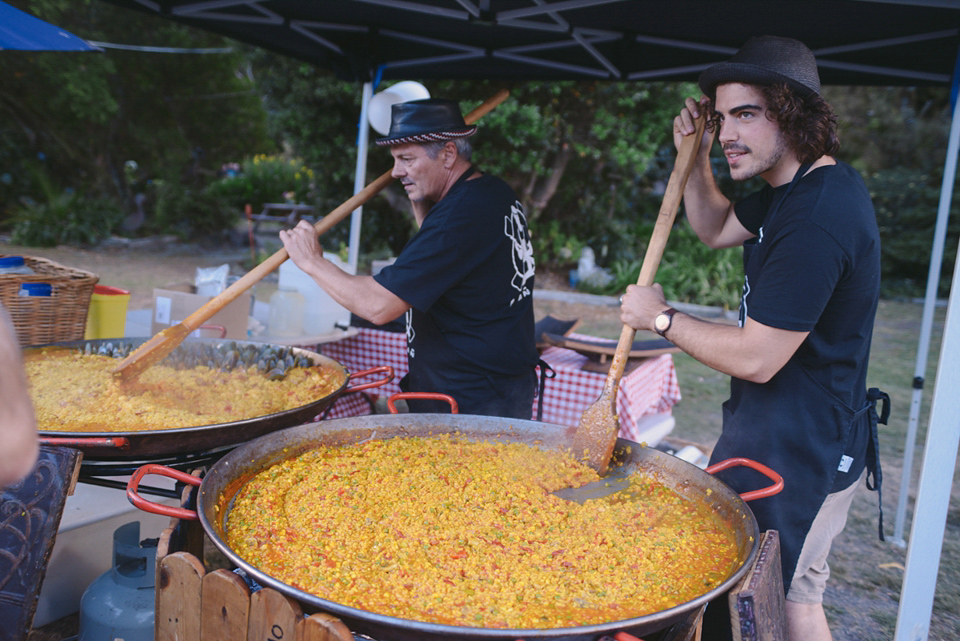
(171, 307)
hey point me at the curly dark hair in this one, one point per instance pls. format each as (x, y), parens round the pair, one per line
(808, 123)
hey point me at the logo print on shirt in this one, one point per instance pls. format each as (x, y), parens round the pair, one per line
(515, 228)
(408, 316)
(743, 301)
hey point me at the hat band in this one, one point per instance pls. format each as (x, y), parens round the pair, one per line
(436, 136)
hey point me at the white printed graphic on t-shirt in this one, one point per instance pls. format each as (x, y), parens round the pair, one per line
(743, 301)
(515, 227)
(411, 334)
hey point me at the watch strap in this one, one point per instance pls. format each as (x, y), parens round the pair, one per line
(668, 312)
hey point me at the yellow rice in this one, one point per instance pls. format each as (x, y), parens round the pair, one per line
(443, 530)
(77, 392)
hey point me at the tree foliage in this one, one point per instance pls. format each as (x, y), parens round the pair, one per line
(897, 138)
(81, 117)
(86, 137)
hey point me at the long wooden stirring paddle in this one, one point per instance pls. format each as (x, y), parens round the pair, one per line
(596, 435)
(159, 346)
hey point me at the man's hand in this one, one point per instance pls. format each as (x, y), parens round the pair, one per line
(302, 244)
(639, 306)
(683, 124)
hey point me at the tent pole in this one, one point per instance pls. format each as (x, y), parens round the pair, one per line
(939, 458)
(929, 304)
(360, 177)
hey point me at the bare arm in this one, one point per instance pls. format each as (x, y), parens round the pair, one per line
(362, 295)
(18, 429)
(754, 352)
(710, 213)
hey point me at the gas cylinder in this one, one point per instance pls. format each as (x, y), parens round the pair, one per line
(119, 604)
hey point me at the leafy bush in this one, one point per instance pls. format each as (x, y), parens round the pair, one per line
(689, 271)
(266, 179)
(187, 212)
(906, 202)
(65, 217)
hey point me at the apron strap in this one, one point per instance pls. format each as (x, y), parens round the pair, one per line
(545, 372)
(874, 395)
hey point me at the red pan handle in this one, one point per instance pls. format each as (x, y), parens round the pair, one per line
(119, 442)
(430, 396)
(217, 328)
(373, 370)
(760, 467)
(158, 508)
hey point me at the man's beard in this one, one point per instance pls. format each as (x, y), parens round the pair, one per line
(757, 165)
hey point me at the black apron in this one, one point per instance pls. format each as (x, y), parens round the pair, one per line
(802, 431)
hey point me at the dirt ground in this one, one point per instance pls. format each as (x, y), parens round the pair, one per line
(863, 593)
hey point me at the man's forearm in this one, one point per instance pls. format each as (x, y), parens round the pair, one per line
(753, 352)
(705, 205)
(18, 430)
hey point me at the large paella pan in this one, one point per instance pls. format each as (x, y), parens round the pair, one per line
(225, 479)
(156, 444)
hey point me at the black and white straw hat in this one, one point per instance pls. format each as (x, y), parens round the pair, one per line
(427, 120)
(766, 60)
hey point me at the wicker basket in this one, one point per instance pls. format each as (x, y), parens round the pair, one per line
(62, 316)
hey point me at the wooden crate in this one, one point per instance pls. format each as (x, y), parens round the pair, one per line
(199, 605)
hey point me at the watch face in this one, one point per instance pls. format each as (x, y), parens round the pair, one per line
(662, 322)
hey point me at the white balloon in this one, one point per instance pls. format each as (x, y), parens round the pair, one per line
(410, 90)
(379, 110)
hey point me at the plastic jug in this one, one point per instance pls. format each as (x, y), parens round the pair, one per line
(321, 313)
(286, 313)
(14, 265)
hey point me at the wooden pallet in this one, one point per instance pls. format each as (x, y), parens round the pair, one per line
(757, 610)
(218, 605)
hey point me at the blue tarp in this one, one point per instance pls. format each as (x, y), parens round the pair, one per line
(20, 31)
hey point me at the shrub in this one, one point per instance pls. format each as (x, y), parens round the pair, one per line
(689, 271)
(266, 179)
(187, 212)
(65, 217)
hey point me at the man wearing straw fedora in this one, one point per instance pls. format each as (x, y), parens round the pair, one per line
(465, 279)
(798, 356)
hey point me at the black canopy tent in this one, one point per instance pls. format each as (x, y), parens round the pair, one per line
(859, 42)
(856, 42)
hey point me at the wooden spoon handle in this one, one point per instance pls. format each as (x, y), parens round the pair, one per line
(658, 241)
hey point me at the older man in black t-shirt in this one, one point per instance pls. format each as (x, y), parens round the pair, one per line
(465, 279)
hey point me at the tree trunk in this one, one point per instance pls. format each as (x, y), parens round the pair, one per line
(539, 196)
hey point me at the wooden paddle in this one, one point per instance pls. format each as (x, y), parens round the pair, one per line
(596, 434)
(159, 346)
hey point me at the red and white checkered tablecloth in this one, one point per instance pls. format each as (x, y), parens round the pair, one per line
(650, 388)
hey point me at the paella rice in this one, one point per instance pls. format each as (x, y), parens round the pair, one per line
(443, 530)
(77, 392)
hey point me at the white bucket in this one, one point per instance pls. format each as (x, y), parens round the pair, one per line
(321, 313)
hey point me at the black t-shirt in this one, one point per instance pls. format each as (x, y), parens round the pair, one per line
(468, 274)
(817, 270)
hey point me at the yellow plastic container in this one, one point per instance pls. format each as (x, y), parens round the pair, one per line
(107, 317)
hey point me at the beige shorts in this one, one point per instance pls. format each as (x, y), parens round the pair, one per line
(810, 578)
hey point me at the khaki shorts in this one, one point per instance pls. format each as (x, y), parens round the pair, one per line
(810, 578)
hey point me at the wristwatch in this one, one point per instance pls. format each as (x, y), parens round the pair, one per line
(663, 321)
